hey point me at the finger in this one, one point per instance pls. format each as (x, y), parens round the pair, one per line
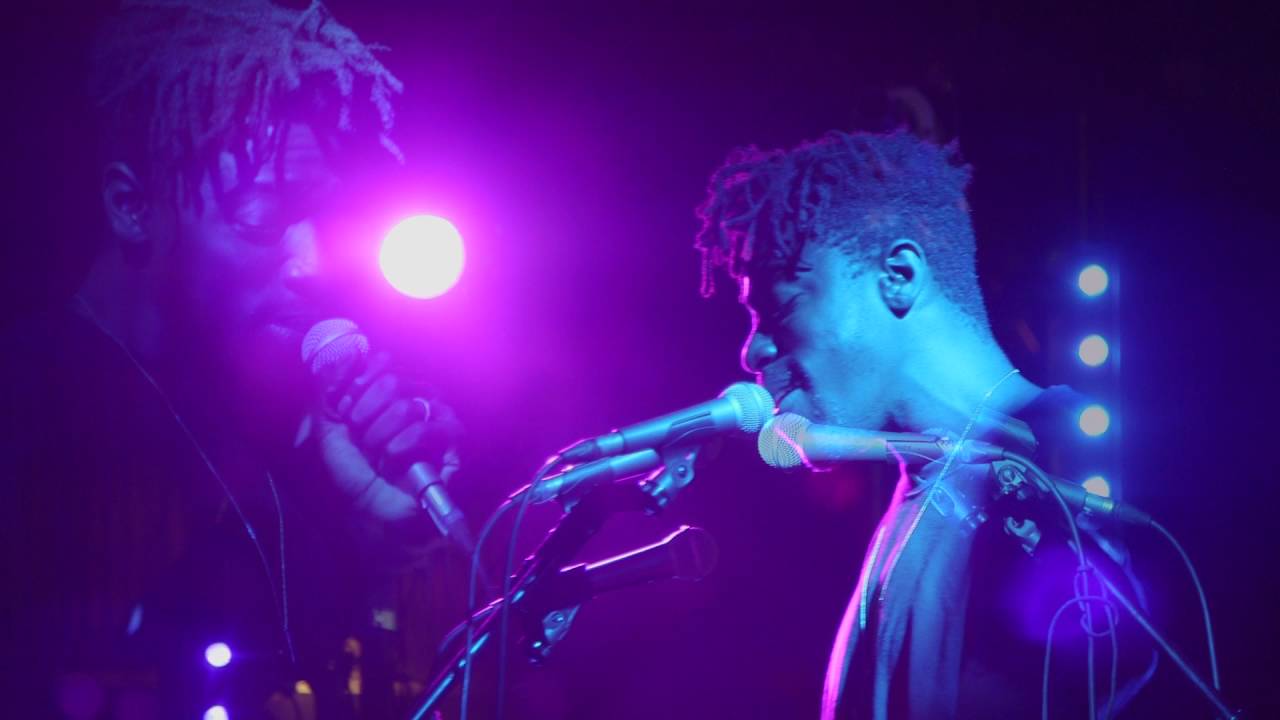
(449, 464)
(374, 399)
(356, 478)
(352, 390)
(444, 429)
(396, 417)
(406, 448)
(352, 471)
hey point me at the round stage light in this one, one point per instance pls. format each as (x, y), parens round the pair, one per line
(1094, 350)
(217, 712)
(1098, 485)
(218, 655)
(1094, 420)
(422, 256)
(1093, 280)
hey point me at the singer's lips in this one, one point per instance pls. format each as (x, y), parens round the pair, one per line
(290, 317)
(777, 379)
(780, 399)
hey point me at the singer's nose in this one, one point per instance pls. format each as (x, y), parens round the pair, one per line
(301, 268)
(758, 350)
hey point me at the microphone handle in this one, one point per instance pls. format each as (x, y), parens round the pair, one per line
(432, 497)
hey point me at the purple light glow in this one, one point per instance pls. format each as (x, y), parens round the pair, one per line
(422, 256)
(1098, 485)
(218, 655)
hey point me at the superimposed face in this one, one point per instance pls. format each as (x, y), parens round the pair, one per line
(244, 271)
(821, 340)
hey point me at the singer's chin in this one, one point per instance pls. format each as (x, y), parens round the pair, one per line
(270, 369)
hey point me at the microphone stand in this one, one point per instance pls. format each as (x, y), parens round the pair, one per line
(1011, 478)
(573, 531)
(1214, 698)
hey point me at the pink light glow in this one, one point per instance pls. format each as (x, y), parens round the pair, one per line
(422, 256)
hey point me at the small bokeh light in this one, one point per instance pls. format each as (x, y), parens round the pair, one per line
(1098, 485)
(217, 712)
(1094, 350)
(218, 655)
(422, 256)
(1094, 420)
(1093, 280)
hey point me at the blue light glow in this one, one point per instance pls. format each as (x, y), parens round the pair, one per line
(217, 712)
(218, 655)
(1098, 485)
(1093, 280)
(422, 256)
(1094, 350)
(1094, 420)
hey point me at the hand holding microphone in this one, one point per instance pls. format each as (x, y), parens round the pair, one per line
(390, 452)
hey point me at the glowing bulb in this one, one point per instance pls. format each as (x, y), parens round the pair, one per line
(1098, 485)
(218, 655)
(1094, 420)
(1094, 350)
(217, 712)
(422, 256)
(1093, 280)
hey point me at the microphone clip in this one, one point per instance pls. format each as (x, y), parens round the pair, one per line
(676, 472)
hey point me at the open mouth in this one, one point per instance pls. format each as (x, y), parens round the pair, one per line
(783, 402)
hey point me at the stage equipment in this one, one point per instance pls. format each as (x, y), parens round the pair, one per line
(638, 468)
(742, 407)
(1016, 490)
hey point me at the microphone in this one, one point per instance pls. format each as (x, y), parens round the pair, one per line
(565, 485)
(689, 553)
(332, 349)
(742, 407)
(788, 441)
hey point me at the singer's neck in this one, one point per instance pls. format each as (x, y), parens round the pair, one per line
(189, 377)
(955, 372)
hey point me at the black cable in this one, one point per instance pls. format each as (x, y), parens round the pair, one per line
(1083, 598)
(469, 622)
(526, 497)
(1204, 603)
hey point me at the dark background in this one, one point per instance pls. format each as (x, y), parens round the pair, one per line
(571, 142)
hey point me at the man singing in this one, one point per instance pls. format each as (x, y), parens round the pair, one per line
(854, 256)
(161, 495)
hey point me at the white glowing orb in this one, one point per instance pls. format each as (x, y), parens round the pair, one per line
(1098, 485)
(217, 712)
(1094, 350)
(1093, 280)
(422, 256)
(1094, 420)
(218, 655)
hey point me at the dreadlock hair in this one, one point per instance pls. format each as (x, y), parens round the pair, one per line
(852, 191)
(180, 81)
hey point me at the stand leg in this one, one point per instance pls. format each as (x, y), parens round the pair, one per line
(1205, 689)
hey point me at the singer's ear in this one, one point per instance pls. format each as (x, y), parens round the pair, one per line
(125, 200)
(903, 275)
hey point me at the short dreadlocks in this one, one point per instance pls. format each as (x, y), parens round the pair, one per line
(180, 81)
(855, 192)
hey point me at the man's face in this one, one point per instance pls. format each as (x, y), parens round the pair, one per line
(245, 267)
(821, 339)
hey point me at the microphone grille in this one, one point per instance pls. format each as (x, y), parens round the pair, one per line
(780, 442)
(333, 343)
(693, 553)
(753, 405)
